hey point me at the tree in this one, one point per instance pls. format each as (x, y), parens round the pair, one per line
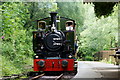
(18, 22)
(73, 10)
(98, 34)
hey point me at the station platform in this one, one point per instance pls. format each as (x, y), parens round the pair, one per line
(90, 70)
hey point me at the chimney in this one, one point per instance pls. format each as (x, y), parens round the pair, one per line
(53, 19)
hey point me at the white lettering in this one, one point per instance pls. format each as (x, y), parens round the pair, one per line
(57, 44)
(56, 38)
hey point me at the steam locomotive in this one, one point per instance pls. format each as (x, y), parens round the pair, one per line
(54, 44)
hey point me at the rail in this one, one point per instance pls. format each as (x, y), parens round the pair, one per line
(36, 77)
(58, 77)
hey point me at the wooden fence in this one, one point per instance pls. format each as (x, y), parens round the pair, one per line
(105, 55)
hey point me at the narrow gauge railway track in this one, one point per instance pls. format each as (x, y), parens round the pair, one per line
(39, 77)
(62, 76)
(45, 77)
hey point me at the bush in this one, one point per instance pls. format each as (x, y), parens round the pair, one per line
(89, 58)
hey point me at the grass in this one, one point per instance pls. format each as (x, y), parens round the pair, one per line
(12, 67)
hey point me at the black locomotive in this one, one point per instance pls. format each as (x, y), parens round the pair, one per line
(54, 44)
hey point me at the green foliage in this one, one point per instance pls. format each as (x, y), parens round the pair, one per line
(119, 24)
(103, 8)
(7, 68)
(37, 11)
(73, 10)
(89, 58)
(98, 34)
(0, 65)
(18, 22)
